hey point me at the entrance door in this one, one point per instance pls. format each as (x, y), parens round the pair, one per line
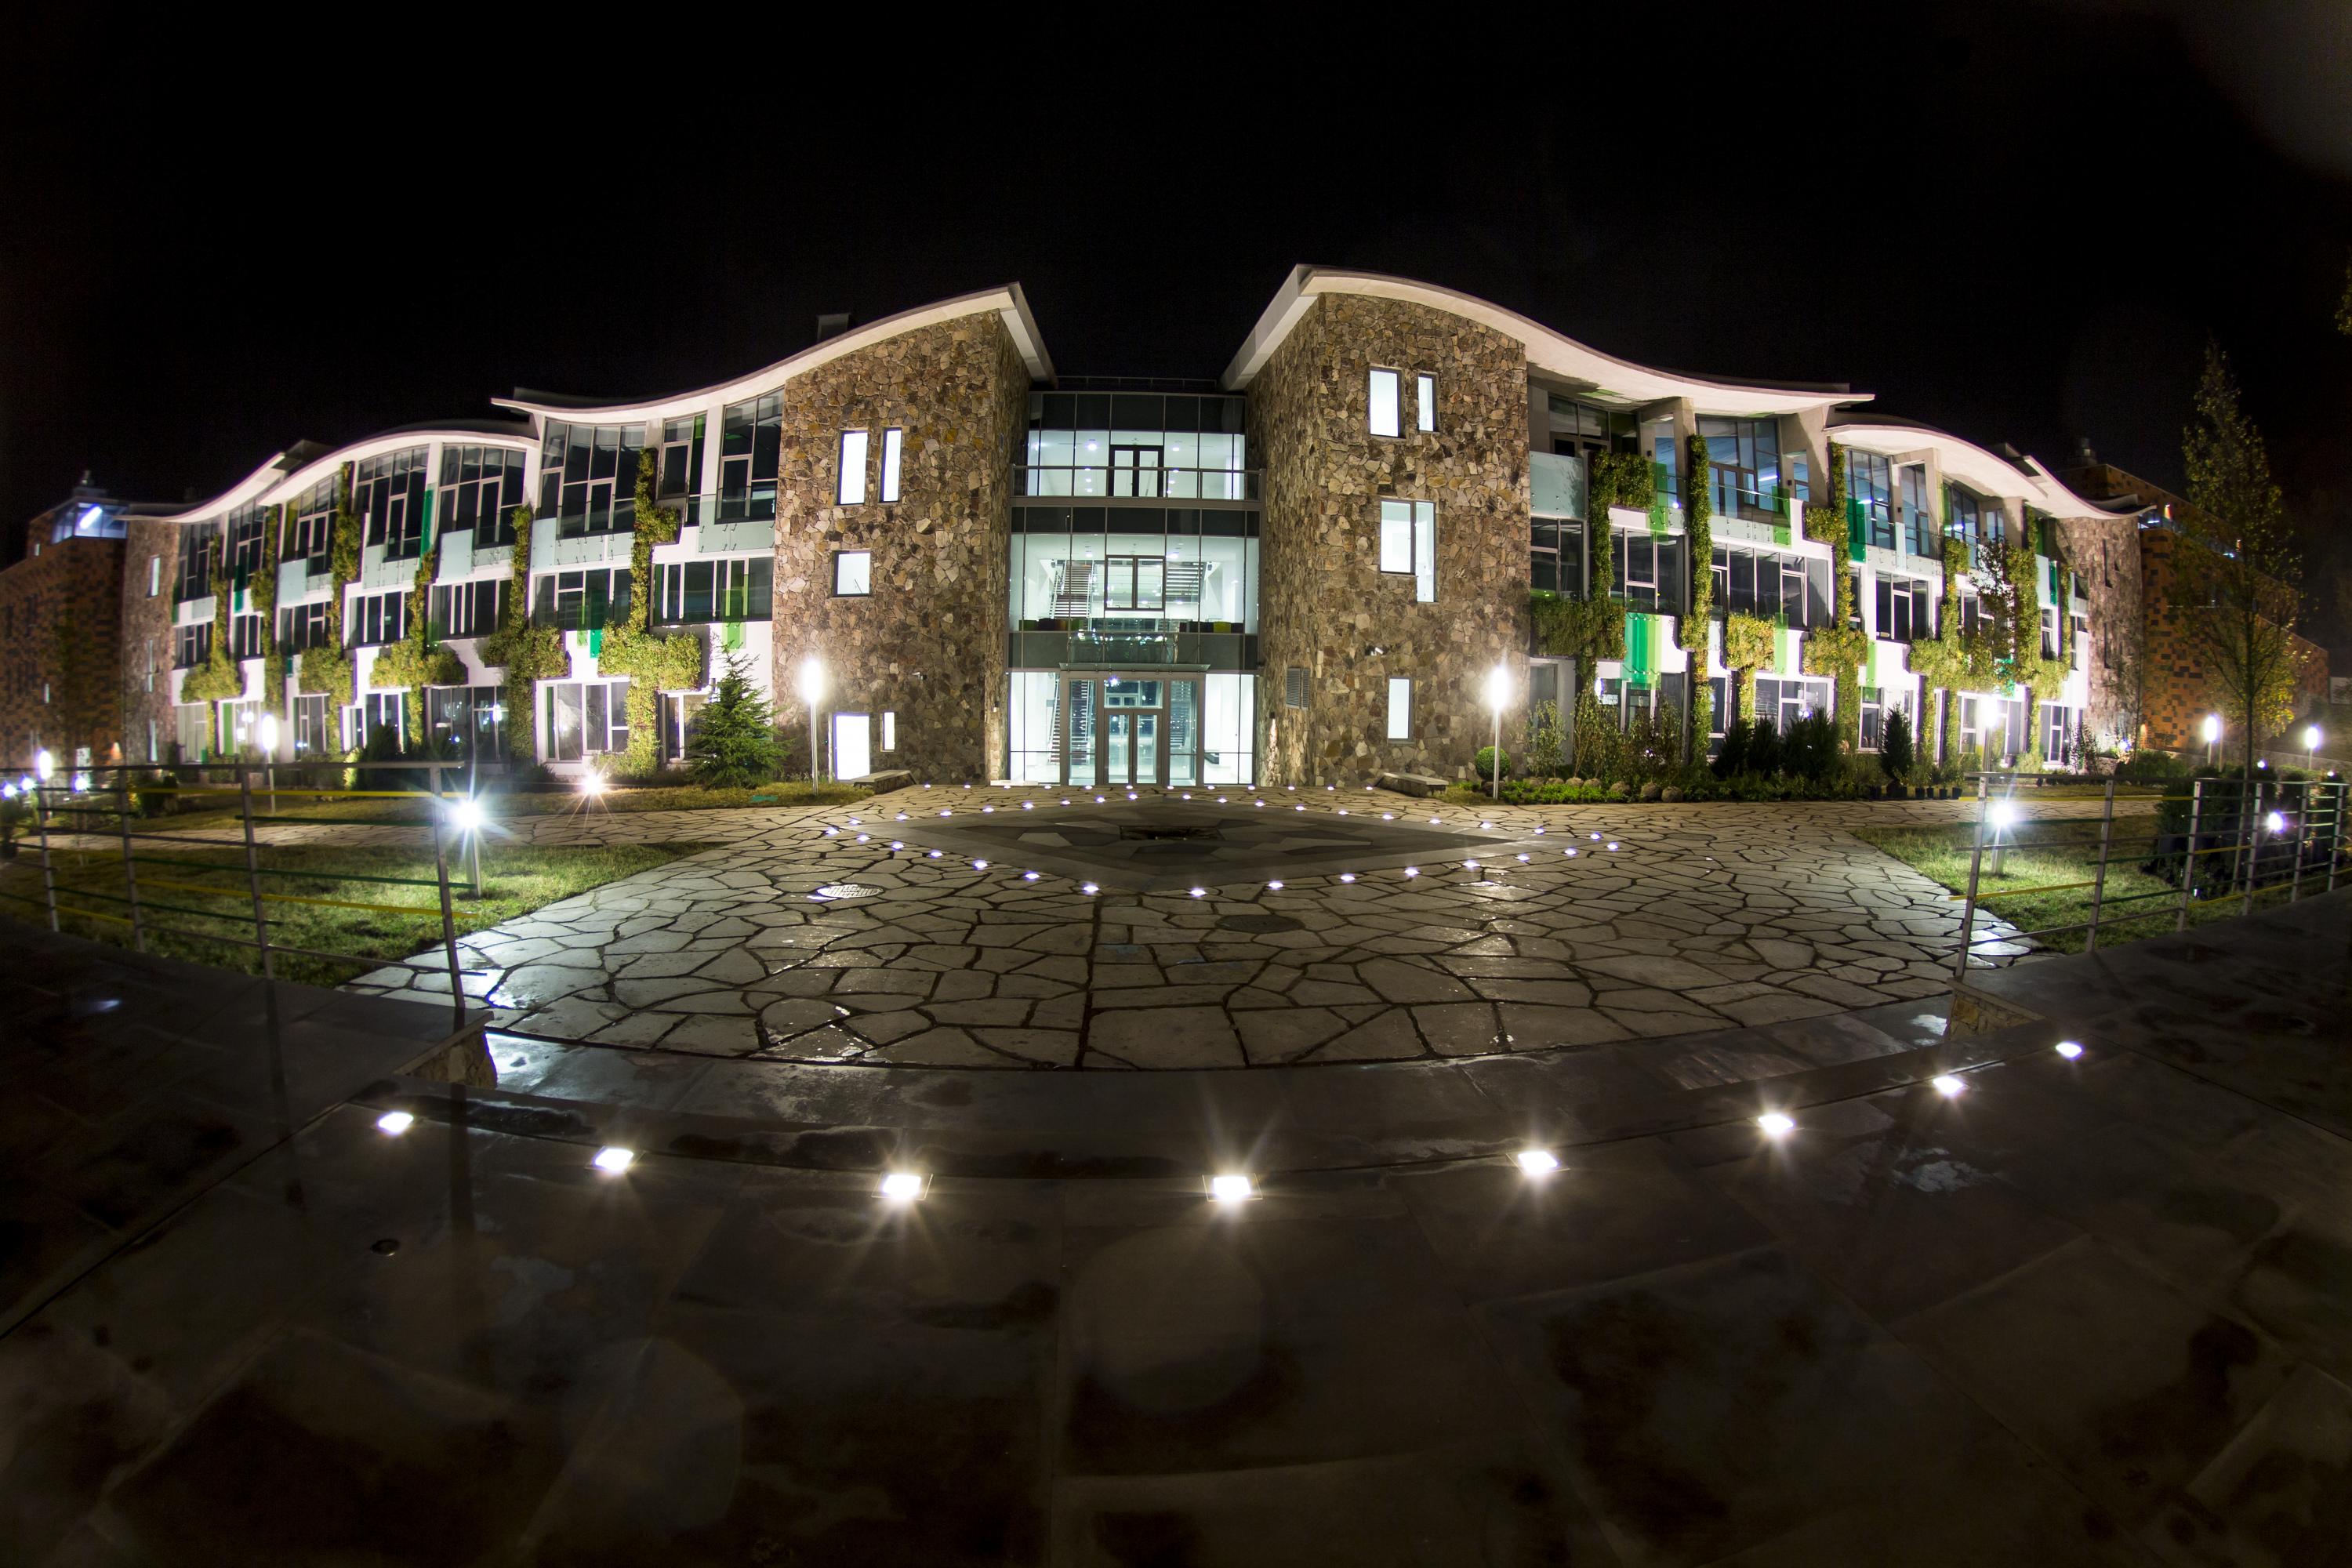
(1126, 729)
(1135, 470)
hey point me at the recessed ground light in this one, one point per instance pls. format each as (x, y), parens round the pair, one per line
(1183, 797)
(1026, 807)
(1299, 808)
(1538, 1162)
(1469, 865)
(1099, 800)
(613, 1160)
(1569, 853)
(2069, 1049)
(1388, 816)
(1949, 1086)
(986, 809)
(947, 811)
(903, 1186)
(1259, 804)
(1777, 1124)
(863, 837)
(900, 818)
(898, 844)
(1413, 871)
(831, 831)
(980, 864)
(392, 1123)
(1131, 795)
(1538, 831)
(1274, 887)
(1088, 888)
(1347, 875)
(1343, 811)
(1524, 859)
(1486, 825)
(1200, 892)
(1028, 876)
(1231, 1189)
(935, 854)
(1066, 803)
(1612, 849)
(1434, 822)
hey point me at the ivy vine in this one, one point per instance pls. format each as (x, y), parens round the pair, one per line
(1699, 529)
(1838, 650)
(328, 668)
(527, 654)
(654, 661)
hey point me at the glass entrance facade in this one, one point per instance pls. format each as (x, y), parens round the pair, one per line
(1105, 728)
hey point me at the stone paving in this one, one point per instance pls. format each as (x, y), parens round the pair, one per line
(874, 934)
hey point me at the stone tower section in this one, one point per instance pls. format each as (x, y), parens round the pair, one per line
(1325, 606)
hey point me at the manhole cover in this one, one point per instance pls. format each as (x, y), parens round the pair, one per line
(833, 893)
(1259, 924)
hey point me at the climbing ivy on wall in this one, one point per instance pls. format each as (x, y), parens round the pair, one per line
(1748, 642)
(415, 661)
(1698, 524)
(654, 661)
(527, 652)
(328, 668)
(219, 678)
(1838, 650)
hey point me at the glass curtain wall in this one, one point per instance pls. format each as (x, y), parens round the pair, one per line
(1870, 489)
(1150, 567)
(588, 478)
(1743, 460)
(1137, 446)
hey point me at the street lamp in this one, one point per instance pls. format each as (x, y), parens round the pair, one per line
(2212, 731)
(44, 764)
(266, 733)
(1498, 691)
(2310, 745)
(811, 690)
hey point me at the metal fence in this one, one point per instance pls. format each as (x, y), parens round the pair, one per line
(2279, 836)
(95, 811)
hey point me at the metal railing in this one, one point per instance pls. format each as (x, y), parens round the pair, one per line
(76, 820)
(2279, 836)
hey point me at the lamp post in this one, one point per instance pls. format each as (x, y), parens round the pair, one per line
(265, 733)
(2310, 746)
(1498, 691)
(2212, 731)
(811, 690)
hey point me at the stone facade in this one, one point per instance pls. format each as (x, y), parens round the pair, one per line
(2105, 555)
(47, 701)
(928, 644)
(148, 725)
(1323, 604)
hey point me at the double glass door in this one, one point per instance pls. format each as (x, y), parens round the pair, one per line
(1124, 729)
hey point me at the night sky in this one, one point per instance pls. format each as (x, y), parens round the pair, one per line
(2019, 222)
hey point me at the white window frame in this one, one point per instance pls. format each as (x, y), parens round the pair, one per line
(1424, 402)
(1400, 725)
(852, 491)
(889, 730)
(1384, 395)
(1408, 545)
(893, 442)
(842, 556)
(154, 575)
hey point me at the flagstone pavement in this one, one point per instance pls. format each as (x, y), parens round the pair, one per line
(837, 935)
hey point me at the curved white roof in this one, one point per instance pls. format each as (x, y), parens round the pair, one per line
(1008, 302)
(1987, 473)
(274, 481)
(1546, 349)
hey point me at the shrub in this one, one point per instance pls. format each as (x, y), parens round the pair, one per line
(1895, 747)
(1731, 757)
(1485, 763)
(734, 735)
(1546, 741)
(1763, 748)
(2151, 768)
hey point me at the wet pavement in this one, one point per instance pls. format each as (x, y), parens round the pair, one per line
(2089, 1309)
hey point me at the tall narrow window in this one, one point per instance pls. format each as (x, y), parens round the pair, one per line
(1424, 402)
(1399, 708)
(891, 441)
(154, 575)
(853, 467)
(751, 441)
(1384, 403)
(1409, 544)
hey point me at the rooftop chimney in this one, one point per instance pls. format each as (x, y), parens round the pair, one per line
(832, 324)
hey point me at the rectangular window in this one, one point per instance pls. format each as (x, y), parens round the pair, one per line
(244, 636)
(191, 646)
(1424, 402)
(2049, 632)
(1293, 687)
(852, 574)
(384, 713)
(1399, 708)
(1918, 520)
(312, 734)
(1556, 557)
(481, 488)
(199, 548)
(690, 593)
(580, 601)
(1874, 721)
(380, 618)
(677, 465)
(750, 439)
(1870, 488)
(853, 467)
(1904, 608)
(1648, 570)
(893, 439)
(889, 731)
(1384, 404)
(468, 609)
(586, 719)
(588, 478)
(154, 575)
(1409, 544)
(388, 495)
(1743, 460)
(304, 626)
(151, 664)
(310, 530)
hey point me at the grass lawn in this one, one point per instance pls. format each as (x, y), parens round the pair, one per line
(516, 879)
(310, 807)
(2047, 854)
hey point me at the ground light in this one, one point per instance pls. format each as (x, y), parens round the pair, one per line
(1274, 887)
(1949, 1086)
(1776, 1123)
(591, 783)
(44, 766)
(392, 1123)
(1538, 1162)
(2070, 1049)
(1233, 1188)
(613, 1160)
(1413, 871)
(465, 815)
(1088, 888)
(903, 1186)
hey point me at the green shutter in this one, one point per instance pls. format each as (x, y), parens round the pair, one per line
(1640, 658)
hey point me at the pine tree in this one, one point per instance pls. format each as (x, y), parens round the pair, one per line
(734, 735)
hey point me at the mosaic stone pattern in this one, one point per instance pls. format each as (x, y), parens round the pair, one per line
(146, 620)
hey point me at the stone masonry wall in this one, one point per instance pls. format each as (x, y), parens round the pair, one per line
(2106, 555)
(147, 621)
(928, 643)
(72, 578)
(2176, 693)
(1323, 602)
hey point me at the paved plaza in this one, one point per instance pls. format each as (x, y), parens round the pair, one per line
(1035, 928)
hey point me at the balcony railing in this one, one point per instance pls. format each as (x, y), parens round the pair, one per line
(1132, 483)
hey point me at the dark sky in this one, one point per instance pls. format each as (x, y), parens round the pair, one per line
(2019, 221)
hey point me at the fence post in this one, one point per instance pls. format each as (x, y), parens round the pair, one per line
(2250, 838)
(130, 866)
(2188, 861)
(2335, 831)
(2099, 883)
(2302, 820)
(448, 918)
(41, 827)
(253, 871)
(1968, 910)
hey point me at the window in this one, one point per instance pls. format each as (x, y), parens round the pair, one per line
(749, 444)
(150, 668)
(584, 601)
(384, 713)
(853, 467)
(1400, 709)
(588, 478)
(1384, 404)
(1974, 617)
(889, 731)
(1904, 608)
(1135, 583)
(1556, 557)
(677, 462)
(1870, 485)
(199, 547)
(244, 636)
(2057, 735)
(467, 720)
(1649, 570)
(585, 717)
(852, 574)
(468, 609)
(481, 487)
(313, 526)
(1918, 520)
(1873, 719)
(1139, 445)
(245, 530)
(2049, 631)
(312, 734)
(388, 494)
(1719, 712)
(154, 575)
(1424, 402)
(191, 646)
(303, 625)
(379, 618)
(893, 440)
(1743, 460)
(1409, 544)
(1293, 687)
(689, 592)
